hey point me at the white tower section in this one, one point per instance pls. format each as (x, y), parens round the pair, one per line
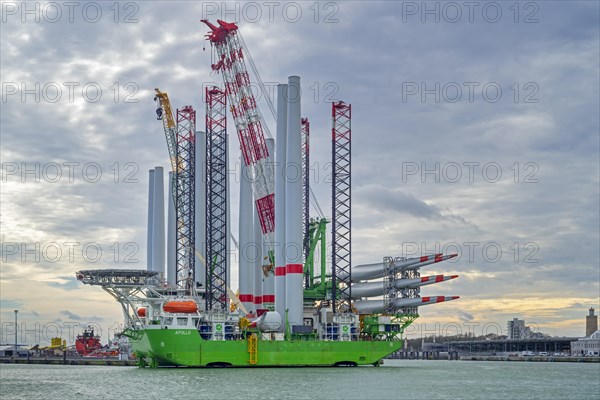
(293, 206)
(269, 280)
(158, 223)
(280, 154)
(257, 246)
(171, 237)
(150, 228)
(247, 252)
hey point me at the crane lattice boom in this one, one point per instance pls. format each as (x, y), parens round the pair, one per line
(165, 113)
(248, 121)
(181, 136)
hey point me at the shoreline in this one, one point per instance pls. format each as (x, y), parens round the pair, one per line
(68, 361)
(133, 363)
(455, 356)
(533, 359)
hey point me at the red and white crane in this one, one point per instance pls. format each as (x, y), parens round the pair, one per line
(248, 121)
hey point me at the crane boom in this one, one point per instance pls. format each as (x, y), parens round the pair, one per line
(165, 113)
(248, 121)
(181, 136)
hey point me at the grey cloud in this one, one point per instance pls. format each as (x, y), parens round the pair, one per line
(70, 315)
(382, 199)
(464, 316)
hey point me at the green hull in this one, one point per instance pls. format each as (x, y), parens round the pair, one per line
(174, 347)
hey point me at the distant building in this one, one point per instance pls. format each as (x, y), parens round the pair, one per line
(587, 346)
(591, 323)
(517, 330)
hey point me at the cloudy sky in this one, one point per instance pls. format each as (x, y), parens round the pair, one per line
(475, 130)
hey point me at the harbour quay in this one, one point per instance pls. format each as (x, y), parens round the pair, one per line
(532, 349)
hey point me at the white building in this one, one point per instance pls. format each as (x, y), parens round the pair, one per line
(587, 346)
(9, 349)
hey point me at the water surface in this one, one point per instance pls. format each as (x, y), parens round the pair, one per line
(397, 379)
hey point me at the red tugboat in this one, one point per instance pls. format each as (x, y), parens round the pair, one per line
(87, 343)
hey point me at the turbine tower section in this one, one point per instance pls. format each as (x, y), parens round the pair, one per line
(341, 203)
(185, 198)
(305, 134)
(216, 199)
(293, 208)
(280, 182)
(150, 229)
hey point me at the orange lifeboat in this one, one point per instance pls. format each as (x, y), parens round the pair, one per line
(141, 312)
(180, 307)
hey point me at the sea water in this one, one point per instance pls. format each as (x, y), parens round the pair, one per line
(396, 379)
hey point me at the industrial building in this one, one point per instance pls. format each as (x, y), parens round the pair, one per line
(520, 340)
(551, 346)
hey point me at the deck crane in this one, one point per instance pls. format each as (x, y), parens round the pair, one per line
(248, 121)
(180, 135)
